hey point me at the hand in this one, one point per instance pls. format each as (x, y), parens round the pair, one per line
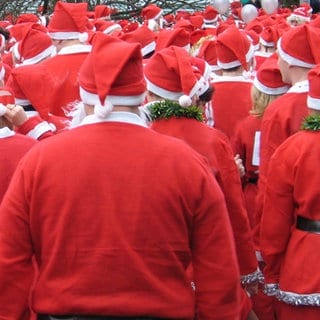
(240, 165)
(15, 114)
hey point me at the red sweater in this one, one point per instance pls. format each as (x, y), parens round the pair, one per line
(12, 149)
(114, 214)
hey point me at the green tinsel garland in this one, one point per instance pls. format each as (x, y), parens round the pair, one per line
(311, 123)
(168, 109)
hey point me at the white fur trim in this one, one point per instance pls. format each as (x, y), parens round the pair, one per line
(64, 35)
(15, 51)
(21, 102)
(207, 21)
(76, 48)
(40, 129)
(2, 73)
(102, 112)
(3, 109)
(163, 93)
(237, 63)
(83, 37)
(300, 87)
(148, 48)
(266, 43)
(269, 90)
(112, 28)
(313, 103)
(93, 99)
(158, 15)
(292, 60)
(185, 101)
(5, 132)
(50, 51)
(3, 42)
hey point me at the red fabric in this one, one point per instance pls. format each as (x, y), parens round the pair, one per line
(12, 149)
(292, 190)
(212, 144)
(282, 118)
(242, 143)
(114, 226)
(231, 102)
(57, 82)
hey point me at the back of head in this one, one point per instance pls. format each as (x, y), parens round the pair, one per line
(112, 74)
(171, 75)
(300, 46)
(69, 21)
(234, 49)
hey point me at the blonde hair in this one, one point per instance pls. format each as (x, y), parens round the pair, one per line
(260, 101)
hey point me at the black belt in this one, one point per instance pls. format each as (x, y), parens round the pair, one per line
(252, 180)
(73, 317)
(308, 225)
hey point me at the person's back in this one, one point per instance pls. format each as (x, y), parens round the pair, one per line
(231, 101)
(115, 213)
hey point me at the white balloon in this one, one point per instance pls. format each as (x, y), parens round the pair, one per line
(221, 6)
(249, 12)
(269, 6)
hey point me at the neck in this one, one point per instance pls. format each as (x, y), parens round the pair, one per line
(134, 109)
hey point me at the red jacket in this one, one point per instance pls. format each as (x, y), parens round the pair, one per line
(114, 214)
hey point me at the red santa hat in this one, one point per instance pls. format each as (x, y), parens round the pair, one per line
(2, 42)
(313, 99)
(234, 49)
(210, 15)
(268, 78)
(151, 11)
(6, 97)
(34, 46)
(107, 27)
(269, 36)
(170, 74)
(124, 84)
(28, 17)
(175, 37)
(102, 11)
(300, 46)
(144, 36)
(254, 38)
(69, 21)
(302, 13)
(208, 52)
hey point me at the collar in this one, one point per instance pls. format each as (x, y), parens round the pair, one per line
(6, 132)
(116, 116)
(299, 87)
(76, 48)
(232, 79)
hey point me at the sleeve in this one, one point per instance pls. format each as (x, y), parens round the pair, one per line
(36, 128)
(278, 212)
(231, 186)
(216, 272)
(16, 266)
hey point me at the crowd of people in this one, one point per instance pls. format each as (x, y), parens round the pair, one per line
(161, 169)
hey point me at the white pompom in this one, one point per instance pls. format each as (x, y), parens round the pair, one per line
(3, 110)
(103, 111)
(185, 101)
(83, 37)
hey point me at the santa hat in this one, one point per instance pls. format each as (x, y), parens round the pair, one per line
(124, 84)
(254, 38)
(107, 27)
(176, 37)
(208, 52)
(234, 49)
(21, 82)
(102, 11)
(302, 13)
(210, 15)
(69, 21)
(268, 78)
(144, 36)
(35, 46)
(313, 99)
(28, 17)
(197, 21)
(171, 75)
(300, 46)
(269, 36)
(2, 42)
(151, 11)
(184, 24)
